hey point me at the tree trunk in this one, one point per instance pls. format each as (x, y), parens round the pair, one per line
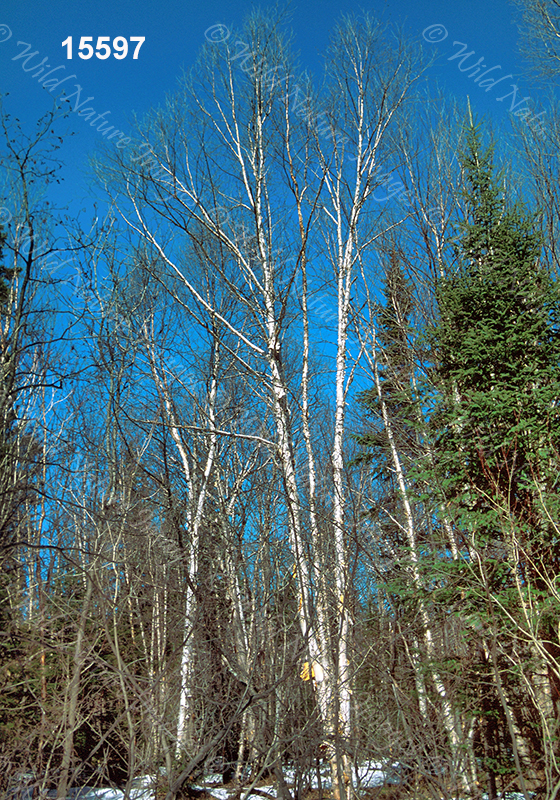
(71, 701)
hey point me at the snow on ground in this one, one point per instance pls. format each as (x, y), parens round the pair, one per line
(270, 790)
(219, 792)
(374, 773)
(367, 775)
(213, 777)
(141, 790)
(110, 794)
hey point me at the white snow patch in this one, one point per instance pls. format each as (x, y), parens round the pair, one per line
(218, 792)
(221, 793)
(373, 773)
(271, 790)
(509, 796)
(89, 793)
(255, 796)
(213, 777)
(311, 778)
(141, 789)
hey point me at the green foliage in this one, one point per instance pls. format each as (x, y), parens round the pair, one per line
(497, 346)
(479, 445)
(396, 358)
(395, 372)
(495, 430)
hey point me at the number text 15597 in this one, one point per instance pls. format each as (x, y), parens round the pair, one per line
(103, 48)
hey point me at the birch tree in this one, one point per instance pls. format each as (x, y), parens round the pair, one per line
(292, 180)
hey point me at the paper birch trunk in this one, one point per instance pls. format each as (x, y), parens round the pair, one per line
(448, 717)
(197, 495)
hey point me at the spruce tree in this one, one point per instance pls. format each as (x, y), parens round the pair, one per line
(495, 456)
(496, 347)
(396, 368)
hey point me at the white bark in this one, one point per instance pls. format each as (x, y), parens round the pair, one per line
(197, 494)
(319, 181)
(448, 717)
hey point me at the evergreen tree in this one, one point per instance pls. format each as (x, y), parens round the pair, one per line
(497, 349)
(393, 443)
(393, 395)
(396, 368)
(496, 434)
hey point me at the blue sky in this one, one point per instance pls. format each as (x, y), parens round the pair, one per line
(175, 31)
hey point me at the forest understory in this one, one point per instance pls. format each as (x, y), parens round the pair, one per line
(280, 457)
